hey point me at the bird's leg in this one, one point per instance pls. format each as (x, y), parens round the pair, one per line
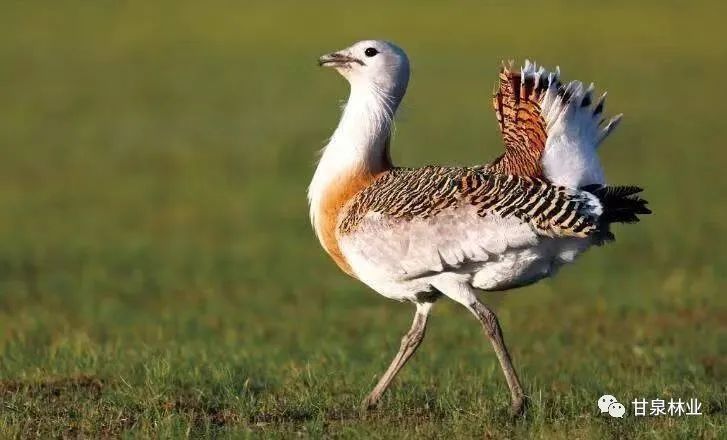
(464, 293)
(489, 322)
(409, 344)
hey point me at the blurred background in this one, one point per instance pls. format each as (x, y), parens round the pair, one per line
(159, 276)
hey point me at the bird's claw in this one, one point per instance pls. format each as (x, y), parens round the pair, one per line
(519, 405)
(369, 403)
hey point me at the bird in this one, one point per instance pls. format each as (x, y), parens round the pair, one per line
(419, 234)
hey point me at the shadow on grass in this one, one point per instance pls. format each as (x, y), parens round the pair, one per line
(82, 406)
(58, 406)
(79, 406)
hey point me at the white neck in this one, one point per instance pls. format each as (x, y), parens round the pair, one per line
(359, 143)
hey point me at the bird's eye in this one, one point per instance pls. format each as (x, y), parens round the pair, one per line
(370, 52)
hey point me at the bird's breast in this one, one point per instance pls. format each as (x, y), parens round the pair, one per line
(332, 202)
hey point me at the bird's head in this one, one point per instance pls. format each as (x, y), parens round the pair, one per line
(372, 63)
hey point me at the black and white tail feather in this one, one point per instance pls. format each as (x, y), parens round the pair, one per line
(575, 127)
(619, 204)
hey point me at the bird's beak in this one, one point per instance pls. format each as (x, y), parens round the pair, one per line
(338, 59)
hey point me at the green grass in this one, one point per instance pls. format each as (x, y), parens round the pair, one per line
(159, 278)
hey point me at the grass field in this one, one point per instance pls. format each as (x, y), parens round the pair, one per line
(159, 277)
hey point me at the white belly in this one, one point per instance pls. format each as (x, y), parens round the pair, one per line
(513, 268)
(520, 267)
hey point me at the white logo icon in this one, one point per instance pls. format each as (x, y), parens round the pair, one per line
(616, 410)
(605, 401)
(609, 404)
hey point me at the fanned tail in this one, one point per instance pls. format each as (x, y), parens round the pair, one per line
(620, 204)
(550, 129)
(575, 126)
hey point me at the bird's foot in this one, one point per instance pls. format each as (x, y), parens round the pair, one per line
(519, 405)
(369, 403)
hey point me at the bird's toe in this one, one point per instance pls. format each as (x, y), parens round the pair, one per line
(518, 407)
(369, 403)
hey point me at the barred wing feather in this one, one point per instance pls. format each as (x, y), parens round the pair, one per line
(411, 222)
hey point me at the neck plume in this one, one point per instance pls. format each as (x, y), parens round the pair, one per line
(365, 126)
(357, 152)
(360, 143)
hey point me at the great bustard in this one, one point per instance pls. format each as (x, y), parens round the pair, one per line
(417, 234)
